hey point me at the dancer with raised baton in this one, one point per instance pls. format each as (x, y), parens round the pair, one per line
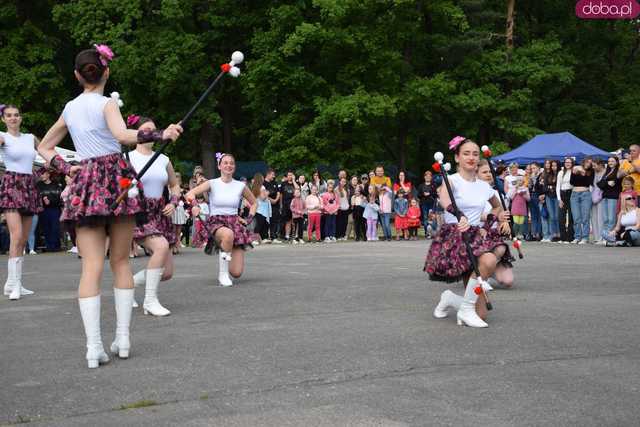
(448, 259)
(98, 130)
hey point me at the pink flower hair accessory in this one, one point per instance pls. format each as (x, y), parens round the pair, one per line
(219, 157)
(453, 144)
(132, 119)
(105, 52)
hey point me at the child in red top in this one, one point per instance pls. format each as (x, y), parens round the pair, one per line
(297, 214)
(413, 219)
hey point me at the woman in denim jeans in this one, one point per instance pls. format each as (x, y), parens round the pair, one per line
(548, 202)
(581, 179)
(611, 187)
(534, 208)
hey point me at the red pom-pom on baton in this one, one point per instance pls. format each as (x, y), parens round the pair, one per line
(478, 290)
(125, 183)
(516, 244)
(225, 67)
(487, 153)
(436, 167)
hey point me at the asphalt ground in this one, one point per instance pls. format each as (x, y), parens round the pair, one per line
(334, 335)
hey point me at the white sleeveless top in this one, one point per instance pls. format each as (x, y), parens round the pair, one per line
(18, 153)
(84, 117)
(224, 198)
(629, 220)
(155, 179)
(471, 198)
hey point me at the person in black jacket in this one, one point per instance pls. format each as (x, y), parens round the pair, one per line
(50, 218)
(611, 187)
(427, 195)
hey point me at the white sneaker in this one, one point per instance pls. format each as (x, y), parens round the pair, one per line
(73, 250)
(255, 243)
(32, 252)
(333, 239)
(601, 243)
(327, 239)
(294, 242)
(575, 241)
(266, 241)
(301, 241)
(276, 241)
(583, 242)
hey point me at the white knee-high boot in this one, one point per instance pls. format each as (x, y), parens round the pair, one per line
(23, 290)
(223, 274)
(12, 271)
(123, 301)
(467, 312)
(90, 312)
(151, 304)
(139, 279)
(447, 300)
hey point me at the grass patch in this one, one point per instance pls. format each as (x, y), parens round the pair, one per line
(138, 404)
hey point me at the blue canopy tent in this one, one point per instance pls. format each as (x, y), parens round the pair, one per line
(555, 146)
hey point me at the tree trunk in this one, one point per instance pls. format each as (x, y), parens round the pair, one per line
(226, 127)
(485, 134)
(402, 148)
(511, 4)
(206, 149)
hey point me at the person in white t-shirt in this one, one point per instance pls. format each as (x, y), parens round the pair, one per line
(447, 259)
(19, 199)
(226, 231)
(98, 130)
(157, 234)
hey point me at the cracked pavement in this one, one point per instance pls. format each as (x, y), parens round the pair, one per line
(328, 335)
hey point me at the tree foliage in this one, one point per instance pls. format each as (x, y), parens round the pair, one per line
(341, 82)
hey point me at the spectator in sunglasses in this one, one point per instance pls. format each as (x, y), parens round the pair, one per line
(627, 228)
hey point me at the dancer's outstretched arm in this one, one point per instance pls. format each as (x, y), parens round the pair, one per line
(199, 189)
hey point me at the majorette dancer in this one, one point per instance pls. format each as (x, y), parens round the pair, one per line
(503, 275)
(157, 234)
(225, 231)
(97, 130)
(447, 259)
(19, 199)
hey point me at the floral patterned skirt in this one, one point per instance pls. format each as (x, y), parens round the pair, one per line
(157, 223)
(447, 259)
(95, 188)
(18, 192)
(241, 236)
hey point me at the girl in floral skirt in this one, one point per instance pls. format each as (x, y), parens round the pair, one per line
(97, 130)
(158, 234)
(447, 259)
(225, 231)
(19, 199)
(504, 270)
